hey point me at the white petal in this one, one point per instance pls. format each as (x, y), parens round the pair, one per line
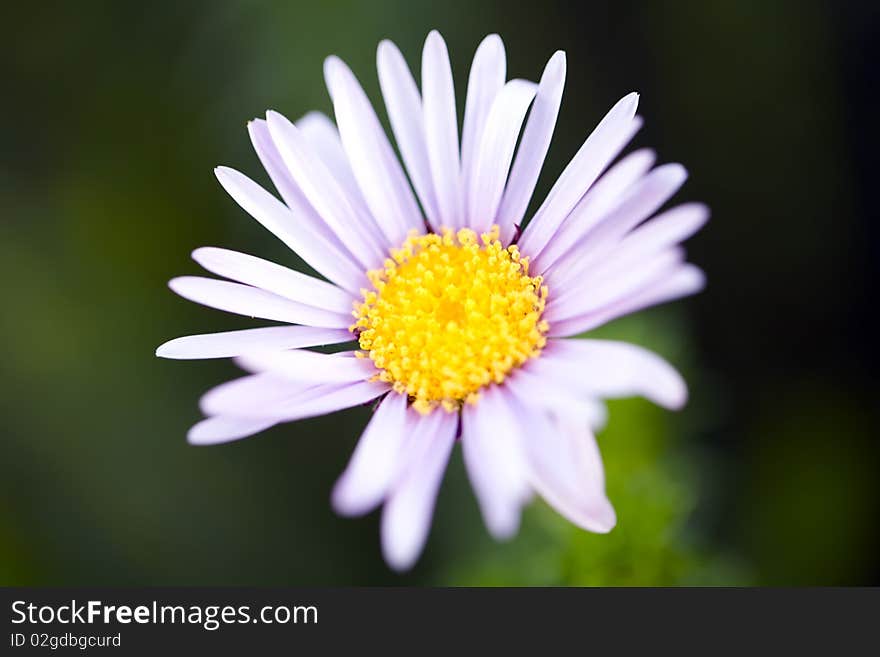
(608, 369)
(604, 196)
(641, 200)
(324, 193)
(375, 166)
(216, 430)
(532, 148)
(309, 366)
(404, 105)
(253, 302)
(375, 464)
(684, 281)
(604, 143)
(406, 517)
(311, 245)
(492, 449)
(566, 468)
(497, 142)
(615, 281)
(487, 75)
(441, 130)
(274, 278)
(235, 343)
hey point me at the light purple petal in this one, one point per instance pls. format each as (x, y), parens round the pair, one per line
(604, 196)
(295, 401)
(554, 394)
(254, 302)
(611, 283)
(497, 143)
(487, 76)
(375, 166)
(324, 193)
(567, 472)
(274, 278)
(250, 396)
(441, 130)
(302, 210)
(404, 105)
(532, 148)
(309, 366)
(607, 369)
(322, 134)
(406, 517)
(684, 281)
(641, 200)
(662, 232)
(335, 399)
(312, 246)
(566, 467)
(375, 464)
(601, 147)
(596, 414)
(647, 242)
(491, 444)
(235, 343)
(216, 430)
(271, 160)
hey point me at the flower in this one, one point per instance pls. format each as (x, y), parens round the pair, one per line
(462, 319)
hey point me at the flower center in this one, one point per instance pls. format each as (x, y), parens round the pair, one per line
(449, 314)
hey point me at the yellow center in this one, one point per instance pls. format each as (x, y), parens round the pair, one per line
(450, 314)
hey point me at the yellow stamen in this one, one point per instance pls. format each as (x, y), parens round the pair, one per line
(449, 314)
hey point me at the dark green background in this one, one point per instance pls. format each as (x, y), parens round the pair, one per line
(113, 115)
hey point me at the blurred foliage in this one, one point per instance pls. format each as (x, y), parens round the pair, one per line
(114, 115)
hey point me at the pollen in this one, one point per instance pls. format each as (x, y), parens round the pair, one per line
(448, 314)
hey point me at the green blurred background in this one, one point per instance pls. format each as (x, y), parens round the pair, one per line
(114, 114)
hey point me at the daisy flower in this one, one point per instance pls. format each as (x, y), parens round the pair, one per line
(456, 313)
